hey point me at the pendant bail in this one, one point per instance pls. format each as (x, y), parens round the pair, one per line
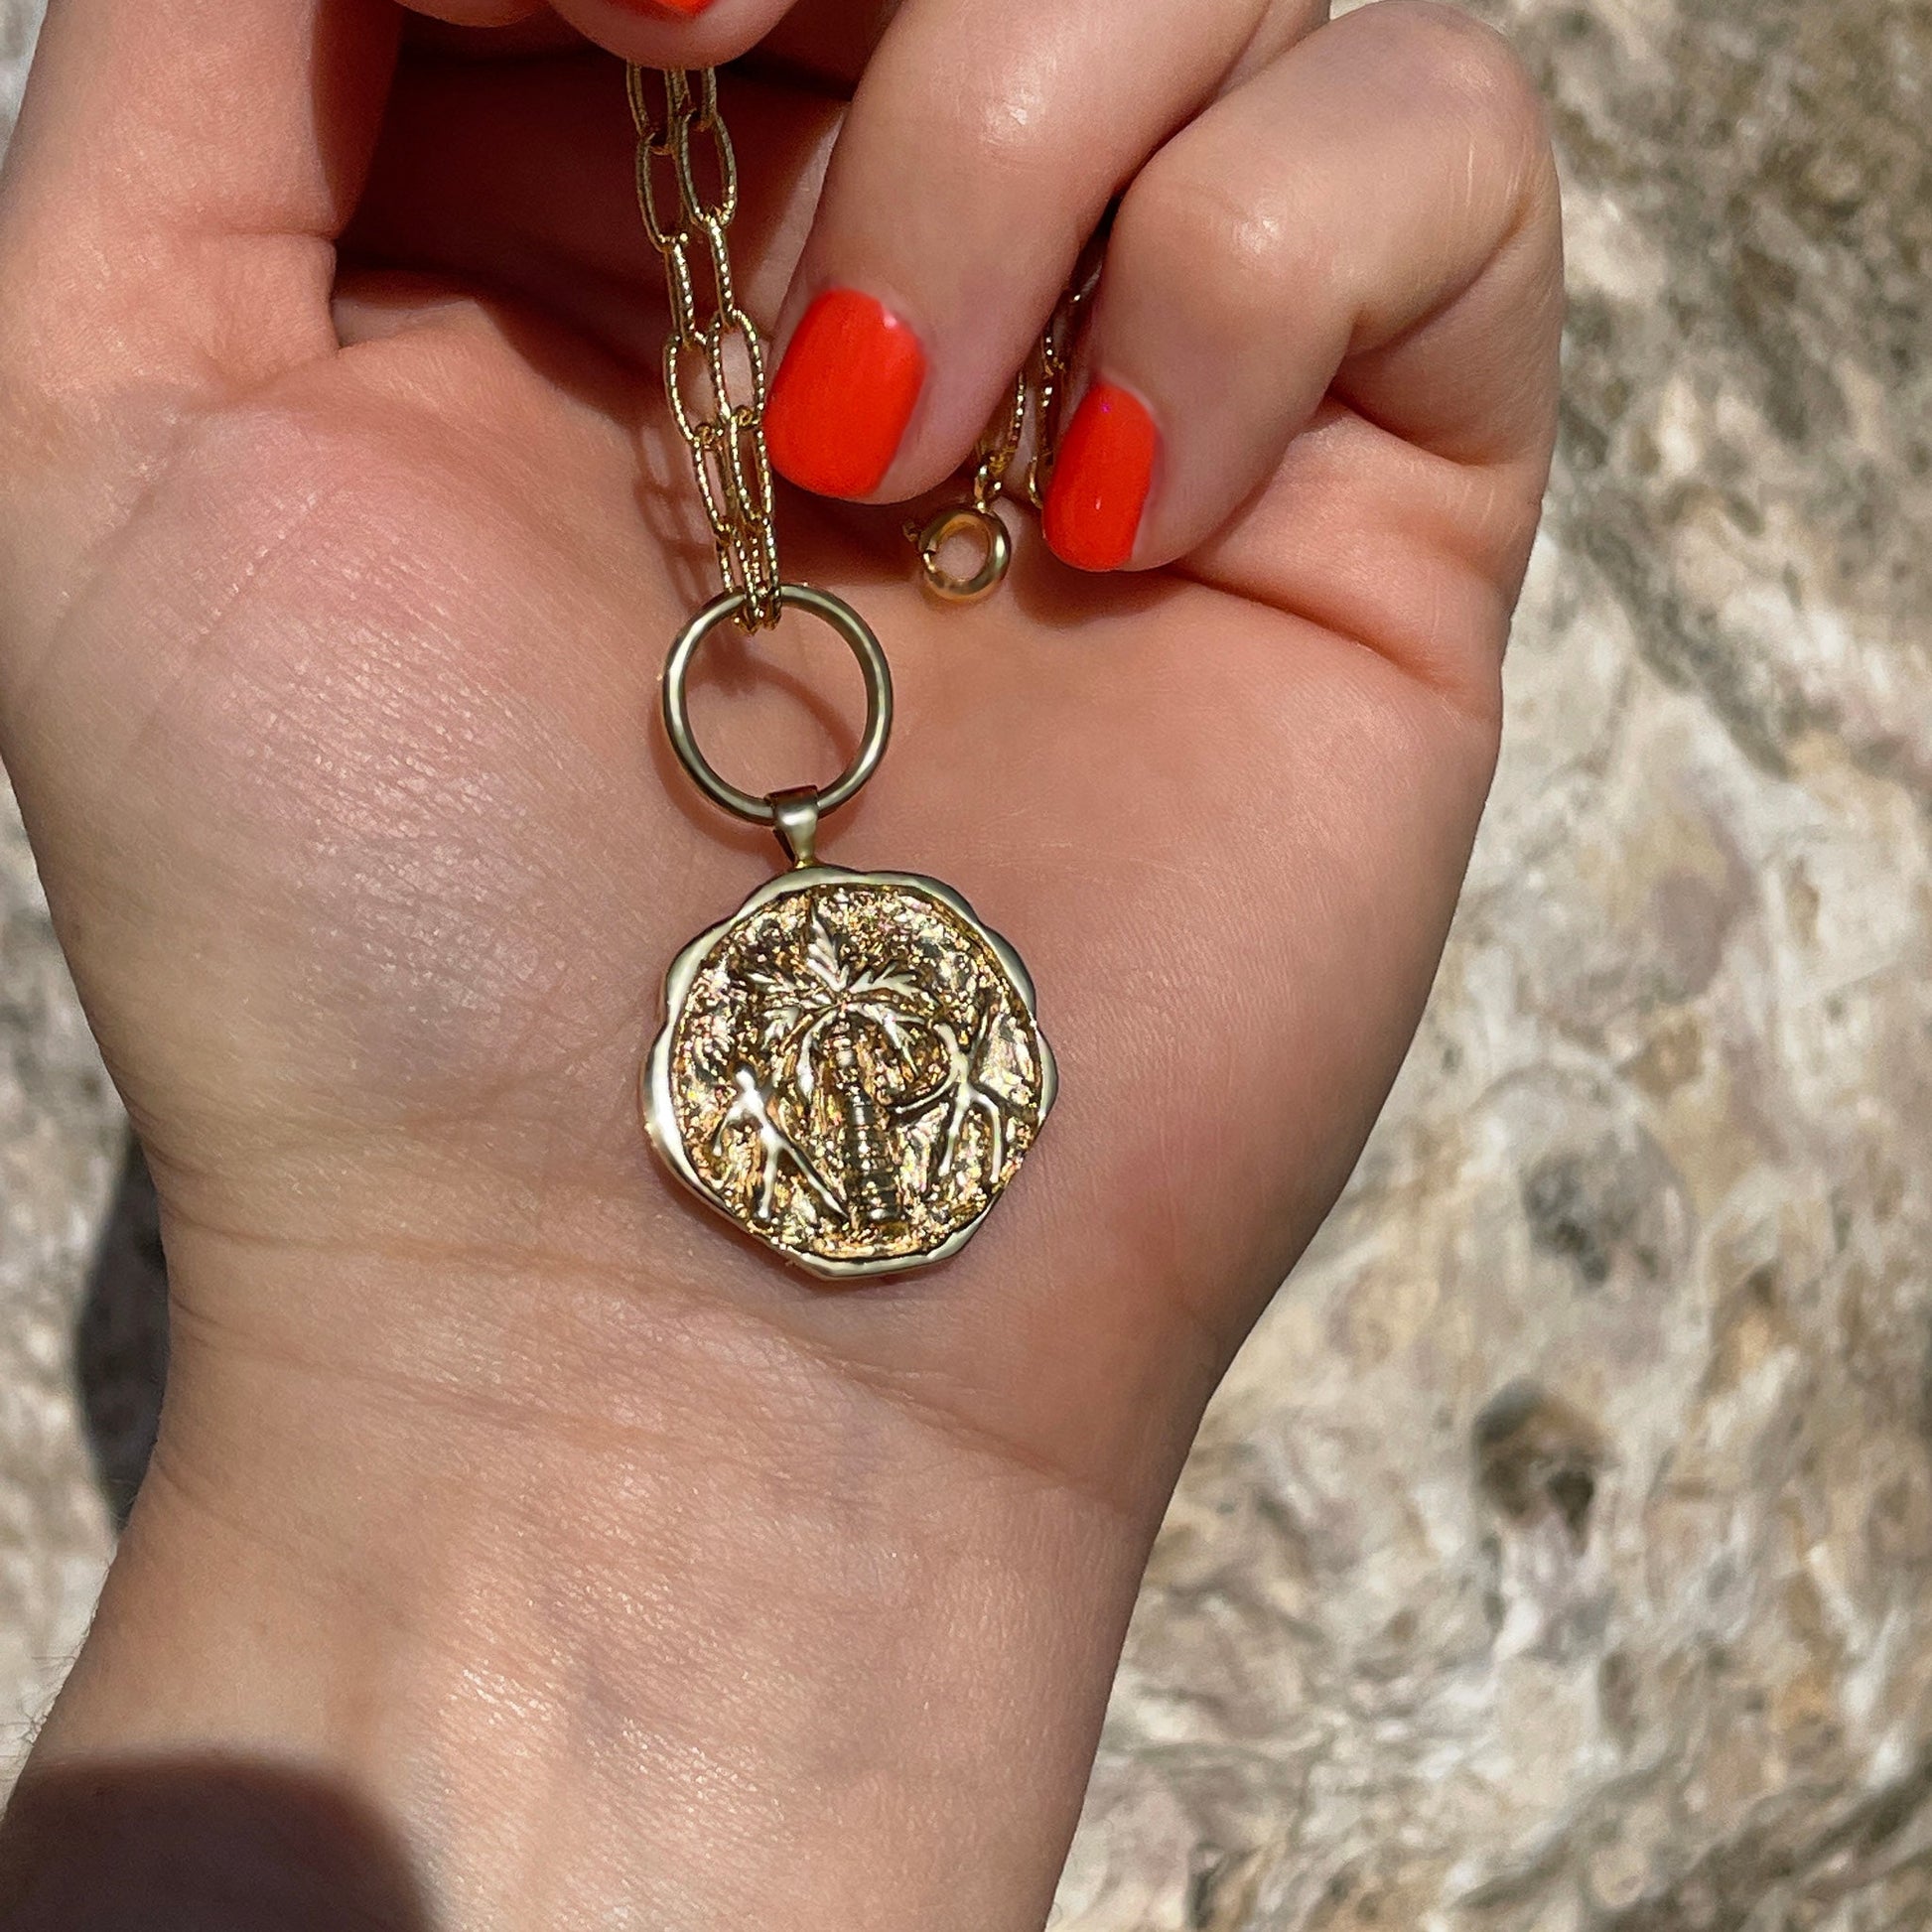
(794, 817)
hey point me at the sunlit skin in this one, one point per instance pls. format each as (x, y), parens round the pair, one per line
(628, 1578)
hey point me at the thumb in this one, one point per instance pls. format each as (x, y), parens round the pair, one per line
(180, 170)
(175, 166)
(675, 32)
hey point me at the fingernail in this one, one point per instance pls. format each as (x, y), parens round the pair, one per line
(843, 395)
(1101, 478)
(690, 9)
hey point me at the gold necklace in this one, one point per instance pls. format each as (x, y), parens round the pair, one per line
(1039, 398)
(850, 1068)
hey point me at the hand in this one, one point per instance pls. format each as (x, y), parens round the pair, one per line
(622, 1576)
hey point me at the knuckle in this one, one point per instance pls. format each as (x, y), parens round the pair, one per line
(995, 136)
(1469, 62)
(1008, 143)
(1196, 229)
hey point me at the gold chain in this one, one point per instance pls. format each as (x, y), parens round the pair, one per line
(724, 432)
(1038, 390)
(1038, 395)
(726, 435)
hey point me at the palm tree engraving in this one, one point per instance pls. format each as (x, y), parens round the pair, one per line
(867, 1141)
(841, 1031)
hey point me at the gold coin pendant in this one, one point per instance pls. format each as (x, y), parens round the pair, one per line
(850, 1069)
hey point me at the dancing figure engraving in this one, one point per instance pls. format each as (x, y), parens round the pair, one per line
(778, 1150)
(965, 1092)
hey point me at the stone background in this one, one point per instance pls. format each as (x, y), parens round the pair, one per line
(1559, 1556)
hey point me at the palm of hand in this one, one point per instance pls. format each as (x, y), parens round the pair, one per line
(343, 766)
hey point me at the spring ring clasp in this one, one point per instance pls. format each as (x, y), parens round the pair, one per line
(979, 524)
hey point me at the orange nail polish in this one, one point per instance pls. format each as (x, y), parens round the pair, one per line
(1101, 478)
(843, 395)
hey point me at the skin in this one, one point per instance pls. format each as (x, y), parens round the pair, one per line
(615, 1575)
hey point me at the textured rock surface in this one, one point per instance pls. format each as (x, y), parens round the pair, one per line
(1559, 1556)
(59, 1138)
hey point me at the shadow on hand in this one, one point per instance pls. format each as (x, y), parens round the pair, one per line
(187, 1845)
(120, 1343)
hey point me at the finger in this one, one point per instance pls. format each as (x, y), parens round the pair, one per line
(511, 37)
(827, 42)
(1375, 213)
(166, 215)
(176, 166)
(980, 151)
(478, 12)
(675, 32)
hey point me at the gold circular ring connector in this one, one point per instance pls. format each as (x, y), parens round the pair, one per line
(988, 530)
(857, 635)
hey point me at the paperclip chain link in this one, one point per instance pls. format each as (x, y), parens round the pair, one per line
(714, 361)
